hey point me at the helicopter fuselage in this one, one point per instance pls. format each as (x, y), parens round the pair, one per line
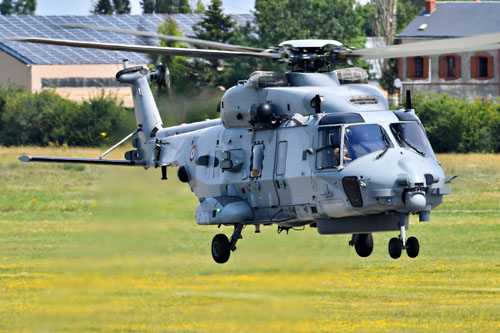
(293, 149)
(305, 167)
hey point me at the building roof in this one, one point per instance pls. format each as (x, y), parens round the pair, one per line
(47, 27)
(456, 19)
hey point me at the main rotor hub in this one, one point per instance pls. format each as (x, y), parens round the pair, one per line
(310, 55)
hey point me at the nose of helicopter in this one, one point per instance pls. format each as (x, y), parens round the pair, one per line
(414, 168)
(404, 183)
(418, 176)
(416, 201)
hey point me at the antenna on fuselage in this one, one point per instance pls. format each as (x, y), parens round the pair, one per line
(408, 100)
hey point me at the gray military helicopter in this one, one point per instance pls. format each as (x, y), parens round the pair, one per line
(306, 147)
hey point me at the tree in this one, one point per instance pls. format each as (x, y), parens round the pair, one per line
(240, 68)
(103, 7)
(215, 26)
(6, 7)
(367, 16)
(407, 10)
(183, 7)
(25, 7)
(218, 27)
(177, 66)
(385, 19)
(389, 74)
(165, 6)
(107, 7)
(385, 24)
(121, 6)
(199, 7)
(280, 20)
(148, 6)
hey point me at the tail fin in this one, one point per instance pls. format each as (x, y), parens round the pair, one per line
(146, 112)
(146, 115)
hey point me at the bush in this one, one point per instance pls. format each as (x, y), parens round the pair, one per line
(457, 125)
(45, 118)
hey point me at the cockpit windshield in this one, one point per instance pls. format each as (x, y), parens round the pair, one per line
(359, 140)
(412, 136)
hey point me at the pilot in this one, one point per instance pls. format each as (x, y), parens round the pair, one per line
(336, 152)
(357, 142)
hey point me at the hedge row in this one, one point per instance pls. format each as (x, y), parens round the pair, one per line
(45, 118)
(458, 125)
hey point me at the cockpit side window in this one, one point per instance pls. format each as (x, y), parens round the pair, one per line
(328, 149)
(360, 140)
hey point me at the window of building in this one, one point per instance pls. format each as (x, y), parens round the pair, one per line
(483, 67)
(450, 66)
(419, 67)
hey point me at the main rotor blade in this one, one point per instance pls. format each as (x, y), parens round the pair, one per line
(193, 41)
(162, 50)
(441, 46)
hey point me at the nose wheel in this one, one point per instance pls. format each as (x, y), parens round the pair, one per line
(397, 245)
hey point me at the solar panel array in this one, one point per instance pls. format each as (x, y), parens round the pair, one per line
(47, 27)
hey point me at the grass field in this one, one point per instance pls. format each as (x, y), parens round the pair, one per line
(85, 248)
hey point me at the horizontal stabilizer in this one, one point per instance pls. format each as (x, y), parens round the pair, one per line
(54, 159)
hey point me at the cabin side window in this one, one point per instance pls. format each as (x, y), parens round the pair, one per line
(281, 161)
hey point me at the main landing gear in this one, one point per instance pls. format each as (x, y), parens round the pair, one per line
(363, 243)
(397, 245)
(222, 246)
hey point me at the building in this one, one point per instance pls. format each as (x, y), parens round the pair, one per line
(470, 74)
(78, 73)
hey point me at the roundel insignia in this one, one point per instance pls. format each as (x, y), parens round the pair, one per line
(192, 153)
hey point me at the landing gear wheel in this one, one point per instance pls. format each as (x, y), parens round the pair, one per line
(395, 248)
(412, 247)
(221, 249)
(364, 245)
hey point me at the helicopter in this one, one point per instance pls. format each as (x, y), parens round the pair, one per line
(309, 147)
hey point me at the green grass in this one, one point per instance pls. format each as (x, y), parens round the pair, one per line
(116, 249)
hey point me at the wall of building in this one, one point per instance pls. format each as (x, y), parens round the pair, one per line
(79, 82)
(12, 70)
(464, 86)
(75, 82)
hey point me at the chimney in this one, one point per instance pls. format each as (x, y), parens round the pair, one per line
(430, 6)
